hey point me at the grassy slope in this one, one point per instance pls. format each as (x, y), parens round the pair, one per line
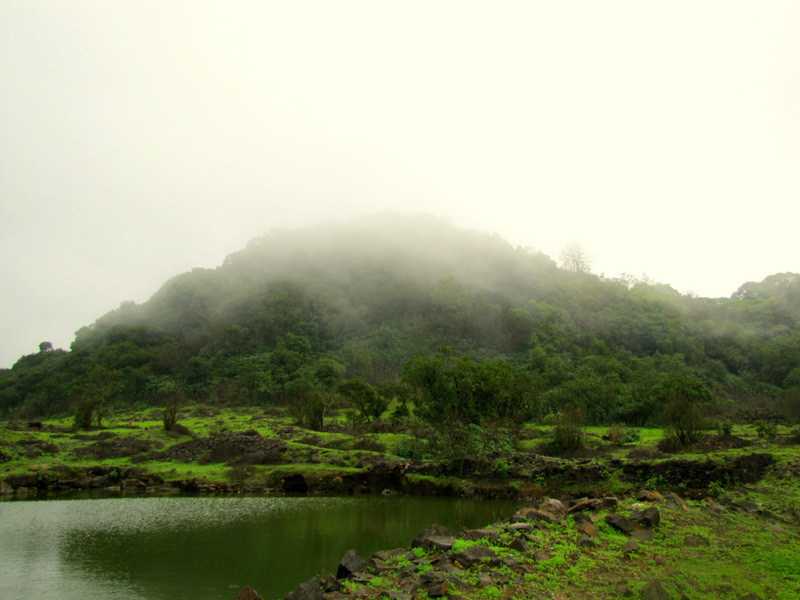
(746, 551)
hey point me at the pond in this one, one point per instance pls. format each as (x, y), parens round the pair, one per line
(204, 548)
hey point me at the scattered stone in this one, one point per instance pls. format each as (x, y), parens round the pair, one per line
(587, 528)
(642, 535)
(519, 545)
(434, 584)
(474, 555)
(554, 507)
(434, 542)
(248, 593)
(674, 500)
(534, 514)
(350, 564)
(308, 590)
(648, 518)
(541, 555)
(520, 527)
(434, 530)
(650, 496)
(477, 534)
(593, 504)
(620, 523)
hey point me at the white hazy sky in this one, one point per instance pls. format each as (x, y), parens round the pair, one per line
(139, 139)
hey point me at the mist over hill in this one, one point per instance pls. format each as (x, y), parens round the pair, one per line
(372, 295)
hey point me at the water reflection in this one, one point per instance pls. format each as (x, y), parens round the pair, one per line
(203, 548)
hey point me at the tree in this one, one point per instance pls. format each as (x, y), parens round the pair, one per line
(46, 347)
(575, 259)
(683, 397)
(369, 403)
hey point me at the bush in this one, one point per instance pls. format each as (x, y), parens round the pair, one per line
(725, 429)
(767, 430)
(84, 414)
(619, 435)
(568, 432)
(684, 422)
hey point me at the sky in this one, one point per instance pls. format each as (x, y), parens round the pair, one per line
(140, 139)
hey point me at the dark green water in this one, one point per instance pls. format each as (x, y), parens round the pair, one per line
(203, 548)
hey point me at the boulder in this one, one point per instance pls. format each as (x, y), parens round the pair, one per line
(554, 507)
(350, 564)
(593, 504)
(248, 593)
(650, 496)
(535, 514)
(434, 584)
(620, 523)
(474, 555)
(308, 590)
(477, 534)
(587, 528)
(434, 542)
(648, 518)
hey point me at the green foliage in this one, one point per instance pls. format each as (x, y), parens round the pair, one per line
(683, 399)
(568, 431)
(767, 430)
(380, 299)
(364, 398)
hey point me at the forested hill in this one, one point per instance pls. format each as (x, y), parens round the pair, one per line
(361, 300)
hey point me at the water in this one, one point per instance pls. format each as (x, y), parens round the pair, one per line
(204, 548)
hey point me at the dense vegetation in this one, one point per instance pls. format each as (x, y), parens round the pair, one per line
(460, 327)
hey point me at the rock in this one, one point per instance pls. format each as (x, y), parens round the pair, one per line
(294, 484)
(433, 531)
(350, 564)
(308, 590)
(519, 545)
(434, 584)
(674, 500)
(248, 593)
(642, 535)
(434, 542)
(541, 555)
(715, 506)
(554, 507)
(648, 518)
(534, 514)
(585, 541)
(587, 528)
(593, 504)
(654, 591)
(477, 534)
(650, 496)
(620, 523)
(520, 527)
(474, 555)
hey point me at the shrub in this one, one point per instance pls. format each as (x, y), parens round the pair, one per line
(84, 414)
(767, 430)
(568, 432)
(725, 429)
(619, 434)
(684, 422)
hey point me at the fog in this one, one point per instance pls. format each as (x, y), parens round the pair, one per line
(141, 139)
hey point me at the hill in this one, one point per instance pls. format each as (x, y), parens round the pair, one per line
(382, 299)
